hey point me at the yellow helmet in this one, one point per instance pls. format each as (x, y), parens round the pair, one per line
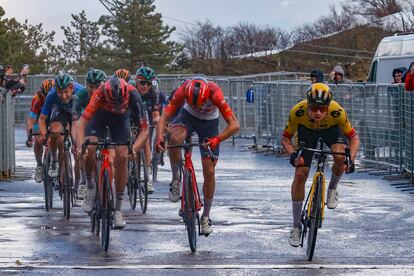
(319, 94)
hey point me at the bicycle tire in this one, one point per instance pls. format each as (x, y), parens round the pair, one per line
(67, 186)
(131, 185)
(315, 217)
(154, 161)
(189, 213)
(142, 184)
(106, 211)
(46, 182)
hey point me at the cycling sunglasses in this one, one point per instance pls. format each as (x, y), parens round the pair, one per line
(321, 108)
(143, 83)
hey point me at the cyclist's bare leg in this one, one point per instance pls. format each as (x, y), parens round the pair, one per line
(56, 141)
(90, 164)
(147, 150)
(119, 164)
(338, 168)
(298, 193)
(209, 186)
(38, 150)
(177, 136)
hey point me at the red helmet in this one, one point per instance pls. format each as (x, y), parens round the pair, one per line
(116, 91)
(197, 91)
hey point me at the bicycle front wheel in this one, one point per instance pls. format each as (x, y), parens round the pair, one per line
(315, 218)
(132, 184)
(154, 161)
(189, 213)
(67, 187)
(47, 183)
(142, 183)
(106, 211)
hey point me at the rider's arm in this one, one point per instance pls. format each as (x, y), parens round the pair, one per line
(350, 133)
(287, 145)
(90, 110)
(137, 110)
(233, 124)
(354, 146)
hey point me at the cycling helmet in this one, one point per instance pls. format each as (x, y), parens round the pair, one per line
(123, 73)
(46, 85)
(145, 73)
(63, 80)
(319, 94)
(116, 90)
(95, 76)
(197, 91)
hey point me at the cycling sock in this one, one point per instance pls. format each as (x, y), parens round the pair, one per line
(207, 207)
(297, 213)
(175, 168)
(90, 181)
(118, 203)
(54, 155)
(333, 183)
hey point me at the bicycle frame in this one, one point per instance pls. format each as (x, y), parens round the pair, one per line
(188, 165)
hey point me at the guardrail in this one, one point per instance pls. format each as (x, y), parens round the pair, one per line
(7, 141)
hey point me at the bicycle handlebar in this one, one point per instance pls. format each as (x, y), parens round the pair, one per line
(105, 144)
(302, 147)
(189, 145)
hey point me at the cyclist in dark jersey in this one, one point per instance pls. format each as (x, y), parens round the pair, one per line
(112, 106)
(147, 88)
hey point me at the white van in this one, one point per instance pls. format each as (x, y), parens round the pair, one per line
(392, 52)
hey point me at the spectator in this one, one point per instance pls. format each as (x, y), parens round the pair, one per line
(316, 76)
(15, 83)
(338, 76)
(397, 74)
(409, 79)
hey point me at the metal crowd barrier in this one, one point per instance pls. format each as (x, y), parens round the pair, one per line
(382, 115)
(7, 139)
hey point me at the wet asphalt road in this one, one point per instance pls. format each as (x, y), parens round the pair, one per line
(371, 231)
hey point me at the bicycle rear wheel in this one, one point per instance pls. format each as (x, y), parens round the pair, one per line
(142, 183)
(315, 218)
(132, 184)
(189, 213)
(67, 186)
(106, 211)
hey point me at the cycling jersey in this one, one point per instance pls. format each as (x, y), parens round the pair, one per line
(37, 103)
(152, 100)
(80, 102)
(133, 102)
(336, 117)
(209, 111)
(53, 101)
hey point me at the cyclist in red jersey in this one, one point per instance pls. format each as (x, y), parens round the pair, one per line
(111, 106)
(201, 102)
(33, 126)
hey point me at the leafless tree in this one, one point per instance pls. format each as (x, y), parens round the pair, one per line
(335, 21)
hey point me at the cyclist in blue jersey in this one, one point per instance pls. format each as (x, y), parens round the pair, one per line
(58, 107)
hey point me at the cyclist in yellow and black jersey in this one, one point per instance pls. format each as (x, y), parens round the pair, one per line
(317, 117)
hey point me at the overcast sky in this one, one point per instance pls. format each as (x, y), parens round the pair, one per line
(285, 14)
